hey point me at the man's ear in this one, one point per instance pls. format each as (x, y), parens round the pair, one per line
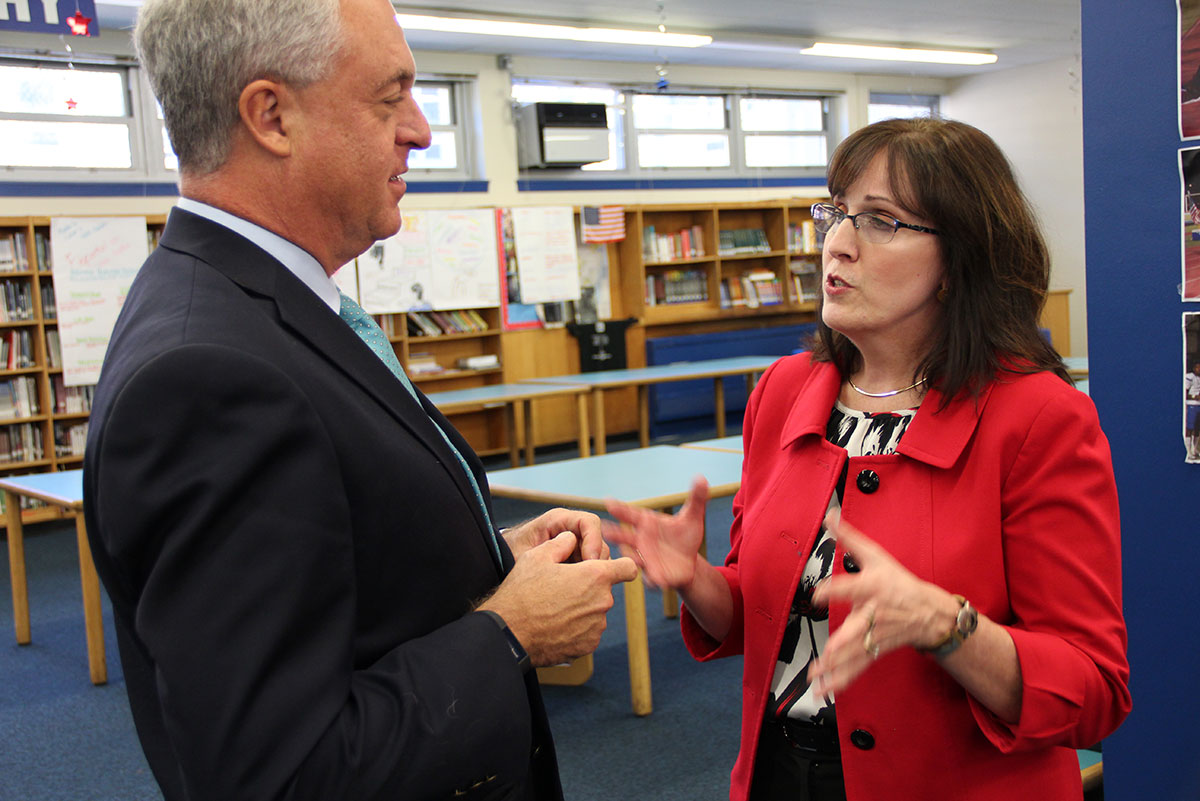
(262, 106)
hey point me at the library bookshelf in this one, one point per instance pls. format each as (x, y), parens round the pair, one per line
(43, 422)
(719, 266)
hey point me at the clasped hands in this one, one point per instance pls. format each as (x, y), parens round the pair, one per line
(557, 595)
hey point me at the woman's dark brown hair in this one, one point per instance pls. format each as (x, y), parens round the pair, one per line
(997, 268)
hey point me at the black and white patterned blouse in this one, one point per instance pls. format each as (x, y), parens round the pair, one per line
(861, 434)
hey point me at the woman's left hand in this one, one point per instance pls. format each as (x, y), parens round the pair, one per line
(890, 608)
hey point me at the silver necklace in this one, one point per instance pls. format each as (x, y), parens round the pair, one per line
(888, 394)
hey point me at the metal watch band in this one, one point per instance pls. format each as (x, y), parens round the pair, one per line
(964, 626)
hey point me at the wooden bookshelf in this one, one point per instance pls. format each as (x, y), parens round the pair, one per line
(28, 429)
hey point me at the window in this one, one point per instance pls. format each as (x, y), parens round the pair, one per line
(444, 104)
(891, 106)
(55, 116)
(699, 133)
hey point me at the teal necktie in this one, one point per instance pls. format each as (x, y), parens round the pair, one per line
(369, 332)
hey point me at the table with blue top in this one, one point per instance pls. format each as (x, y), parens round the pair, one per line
(64, 489)
(732, 444)
(511, 395)
(643, 377)
(656, 478)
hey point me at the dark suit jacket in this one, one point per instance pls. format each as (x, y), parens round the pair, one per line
(292, 552)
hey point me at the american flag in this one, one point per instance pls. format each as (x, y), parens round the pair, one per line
(603, 223)
(1193, 211)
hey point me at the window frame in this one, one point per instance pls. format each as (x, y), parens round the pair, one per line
(464, 111)
(932, 102)
(628, 134)
(132, 121)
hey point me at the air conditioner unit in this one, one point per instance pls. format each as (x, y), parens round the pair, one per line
(560, 135)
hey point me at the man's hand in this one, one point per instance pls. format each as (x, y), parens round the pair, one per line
(584, 525)
(554, 607)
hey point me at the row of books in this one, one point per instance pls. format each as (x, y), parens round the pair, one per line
(71, 400)
(752, 289)
(53, 349)
(743, 240)
(686, 243)
(19, 398)
(806, 278)
(438, 323)
(70, 438)
(14, 251)
(802, 237)
(21, 442)
(676, 286)
(49, 304)
(16, 300)
(16, 349)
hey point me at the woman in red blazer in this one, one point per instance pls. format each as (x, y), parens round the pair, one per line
(925, 572)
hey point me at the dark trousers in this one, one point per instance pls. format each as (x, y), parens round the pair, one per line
(796, 762)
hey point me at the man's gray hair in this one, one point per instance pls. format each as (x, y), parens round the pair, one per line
(200, 54)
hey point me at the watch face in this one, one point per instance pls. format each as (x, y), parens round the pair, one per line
(968, 619)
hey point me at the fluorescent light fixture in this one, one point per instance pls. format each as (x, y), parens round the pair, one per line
(877, 53)
(491, 27)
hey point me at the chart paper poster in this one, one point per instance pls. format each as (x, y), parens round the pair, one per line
(95, 260)
(546, 253)
(438, 260)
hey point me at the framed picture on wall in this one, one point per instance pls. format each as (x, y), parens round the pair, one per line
(1191, 386)
(1189, 68)
(1189, 171)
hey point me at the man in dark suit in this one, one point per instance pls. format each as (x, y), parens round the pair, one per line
(310, 598)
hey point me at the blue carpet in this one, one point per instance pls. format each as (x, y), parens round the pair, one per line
(66, 740)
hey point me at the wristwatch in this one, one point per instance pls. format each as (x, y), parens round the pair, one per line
(518, 651)
(964, 626)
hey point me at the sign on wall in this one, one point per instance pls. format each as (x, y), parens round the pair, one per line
(95, 260)
(71, 17)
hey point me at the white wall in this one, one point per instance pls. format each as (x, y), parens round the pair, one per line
(1035, 114)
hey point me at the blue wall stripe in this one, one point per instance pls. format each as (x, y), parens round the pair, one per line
(169, 189)
(561, 185)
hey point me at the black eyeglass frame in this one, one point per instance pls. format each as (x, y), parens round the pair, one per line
(836, 213)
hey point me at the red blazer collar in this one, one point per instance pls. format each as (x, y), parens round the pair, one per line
(936, 436)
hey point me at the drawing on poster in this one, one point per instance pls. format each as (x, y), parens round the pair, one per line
(1191, 386)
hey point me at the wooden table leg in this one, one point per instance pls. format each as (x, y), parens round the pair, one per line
(719, 403)
(638, 643)
(528, 407)
(93, 623)
(644, 414)
(585, 438)
(598, 421)
(510, 428)
(16, 567)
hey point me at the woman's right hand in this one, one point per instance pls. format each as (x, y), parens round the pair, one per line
(665, 547)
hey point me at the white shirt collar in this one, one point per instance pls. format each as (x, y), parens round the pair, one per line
(299, 261)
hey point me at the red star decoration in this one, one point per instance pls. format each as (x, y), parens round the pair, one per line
(79, 23)
(71, 104)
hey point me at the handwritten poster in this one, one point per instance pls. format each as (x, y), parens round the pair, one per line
(95, 260)
(546, 253)
(438, 260)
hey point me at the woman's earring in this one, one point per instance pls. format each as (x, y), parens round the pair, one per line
(941, 295)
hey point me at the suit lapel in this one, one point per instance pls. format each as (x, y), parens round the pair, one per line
(309, 319)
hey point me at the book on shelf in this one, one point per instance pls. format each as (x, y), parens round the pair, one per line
(20, 252)
(18, 398)
(802, 237)
(676, 286)
(49, 303)
(70, 439)
(21, 442)
(71, 400)
(423, 364)
(766, 287)
(41, 243)
(806, 279)
(16, 349)
(686, 243)
(17, 300)
(53, 349)
(8, 254)
(740, 241)
(426, 327)
(483, 361)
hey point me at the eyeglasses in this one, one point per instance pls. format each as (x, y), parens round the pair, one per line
(876, 228)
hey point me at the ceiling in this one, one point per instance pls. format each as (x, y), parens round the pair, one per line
(763, 33)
